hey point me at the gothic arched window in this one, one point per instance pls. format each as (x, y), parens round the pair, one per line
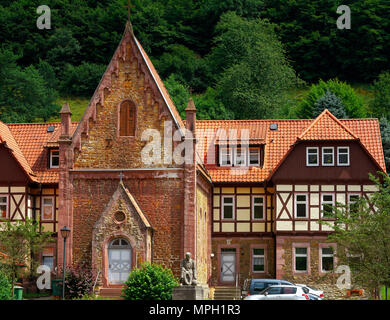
(127, 119)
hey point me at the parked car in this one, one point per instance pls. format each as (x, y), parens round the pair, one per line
(257, 285)
(312, 290)
(281, 292)
(314, 297)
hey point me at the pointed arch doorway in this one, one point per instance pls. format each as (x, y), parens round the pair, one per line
(119, 260)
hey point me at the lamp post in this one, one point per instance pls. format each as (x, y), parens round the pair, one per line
(65, 231)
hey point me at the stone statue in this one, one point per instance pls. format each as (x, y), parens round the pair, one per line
(188, 271)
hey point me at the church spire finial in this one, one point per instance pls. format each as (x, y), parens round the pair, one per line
(128, 24)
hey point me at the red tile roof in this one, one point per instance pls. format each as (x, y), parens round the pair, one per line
(30, 141)
(279, 142)
(33, 140)
(8, 139)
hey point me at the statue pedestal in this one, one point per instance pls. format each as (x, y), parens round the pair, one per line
(187, 293)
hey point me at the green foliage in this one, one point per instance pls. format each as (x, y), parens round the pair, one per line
(24, 94)
(255, 72)
(81, 81)
(380, 104)
(353, 103)
(365, 244)
(331, 102)
(384, 125)
(92, 297)
(319, 50)
(150, 282)
(5, 287)
(22, 242)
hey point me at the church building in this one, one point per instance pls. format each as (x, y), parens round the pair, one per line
(136, 183)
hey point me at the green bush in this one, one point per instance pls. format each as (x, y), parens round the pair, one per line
(92, 297)
(150, 282)
(5, 287)
(354, 106)
(380, 104)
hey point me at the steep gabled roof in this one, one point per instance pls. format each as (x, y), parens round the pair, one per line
(9, 141)
(105, 83)
(327, 127)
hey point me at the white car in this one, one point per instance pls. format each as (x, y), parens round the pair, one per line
(281, 292)
(312, 290)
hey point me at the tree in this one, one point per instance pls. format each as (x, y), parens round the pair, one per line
(380, 104)
(82, 80)
(384, 125)
(354, 106)
(363, 236)
(331, 102)
(150, 282)
(5, 286)
(24, 94)
(22, 242)
(253, 73)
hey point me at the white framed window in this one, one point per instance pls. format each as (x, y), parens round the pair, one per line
(54, 158)
(327, 204)
(312, 156)
(258, 207)
(258, 259)
(3, 206)
(228, 207)
(240, 157)
(225, 156)
(47, 209)
(254, 156)
(301, 206)
(353, 198)
(327, 259)
(343, 156)
(328, 156)
(300, 257)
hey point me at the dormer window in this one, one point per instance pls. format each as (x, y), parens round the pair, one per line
(254, 156)
(240, 157)
(312, 157)
(328, 156)
(54, 161)
(225, 156)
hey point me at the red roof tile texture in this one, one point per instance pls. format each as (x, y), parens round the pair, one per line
(33, 139)
(8, 139)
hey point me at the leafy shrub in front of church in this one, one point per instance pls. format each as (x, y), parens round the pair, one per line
(150, 282)
(5, 287)
(79, 281)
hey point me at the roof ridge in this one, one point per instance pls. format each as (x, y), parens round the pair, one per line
(324, 113)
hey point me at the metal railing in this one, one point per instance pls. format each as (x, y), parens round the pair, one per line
(94, 285)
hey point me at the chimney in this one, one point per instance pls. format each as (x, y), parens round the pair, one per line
(66, 121)
(191, 116)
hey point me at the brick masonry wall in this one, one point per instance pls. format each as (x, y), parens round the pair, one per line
(315, 278)
(244, 247)
(159, 199)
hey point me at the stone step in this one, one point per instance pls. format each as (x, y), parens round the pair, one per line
(114, 293)
(227, 293)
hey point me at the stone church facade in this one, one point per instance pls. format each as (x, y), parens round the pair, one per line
(246, 202)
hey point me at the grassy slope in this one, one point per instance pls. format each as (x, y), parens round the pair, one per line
(78, 105)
